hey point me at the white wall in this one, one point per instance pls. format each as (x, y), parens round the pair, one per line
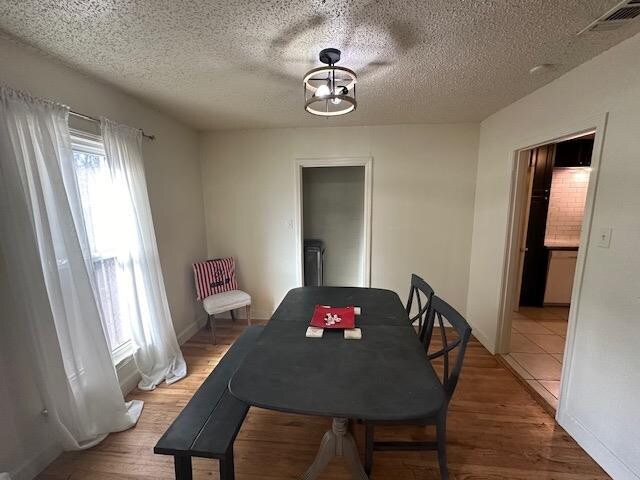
(422, 207)
(333, 211)
(173, 178)
(599, 405)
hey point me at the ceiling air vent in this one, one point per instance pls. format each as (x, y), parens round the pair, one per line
(625, 13)
(615, 18)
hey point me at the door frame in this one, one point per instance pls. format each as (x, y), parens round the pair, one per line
(577, 128)
(313, 162)
(522, 207)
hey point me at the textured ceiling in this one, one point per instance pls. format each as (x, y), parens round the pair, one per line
(239, 63)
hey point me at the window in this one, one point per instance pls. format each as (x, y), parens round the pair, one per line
(102, 215)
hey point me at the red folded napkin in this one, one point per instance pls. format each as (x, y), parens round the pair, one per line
(333, 317)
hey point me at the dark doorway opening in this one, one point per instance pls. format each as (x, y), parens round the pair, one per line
(566, 163)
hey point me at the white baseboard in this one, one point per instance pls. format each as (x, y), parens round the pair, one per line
(190, 330)
(484, 340)
(36, 463)
(604, 457)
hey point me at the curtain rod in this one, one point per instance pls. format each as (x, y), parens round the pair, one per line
(93, 119)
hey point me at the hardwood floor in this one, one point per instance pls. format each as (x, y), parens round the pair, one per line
(495, 431)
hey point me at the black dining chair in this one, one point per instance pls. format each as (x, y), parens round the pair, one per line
(422, 293)
(439, 311)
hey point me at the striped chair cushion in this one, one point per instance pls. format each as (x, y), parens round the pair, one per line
(215, 276)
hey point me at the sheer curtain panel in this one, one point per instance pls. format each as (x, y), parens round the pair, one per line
(46, 249)
(155, 346)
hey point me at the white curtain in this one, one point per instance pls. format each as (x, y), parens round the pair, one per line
(155, 347)
(46, 249)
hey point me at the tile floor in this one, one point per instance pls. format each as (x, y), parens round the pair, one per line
(538, 336)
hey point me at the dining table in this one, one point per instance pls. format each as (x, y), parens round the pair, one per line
(383, 376)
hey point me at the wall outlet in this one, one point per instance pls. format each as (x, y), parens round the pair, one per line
(604, 237)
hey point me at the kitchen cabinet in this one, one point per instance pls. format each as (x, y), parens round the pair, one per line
(574, 153)
(534, 270)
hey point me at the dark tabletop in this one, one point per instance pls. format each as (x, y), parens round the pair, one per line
(383, 376)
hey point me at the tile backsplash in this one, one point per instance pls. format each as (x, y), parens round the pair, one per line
(566, 206)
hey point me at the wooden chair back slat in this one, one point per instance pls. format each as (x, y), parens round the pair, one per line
(420, 291)
(441, 311)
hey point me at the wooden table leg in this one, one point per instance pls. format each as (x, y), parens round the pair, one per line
(337, 442)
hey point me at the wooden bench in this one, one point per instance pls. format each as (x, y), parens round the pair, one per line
(208, 425)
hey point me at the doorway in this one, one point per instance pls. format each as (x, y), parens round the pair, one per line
(549, 211)
(333, 201)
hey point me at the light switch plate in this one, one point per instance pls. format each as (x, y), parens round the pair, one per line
(604, 237)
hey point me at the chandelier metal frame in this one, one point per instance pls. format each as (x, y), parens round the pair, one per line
(340, 82)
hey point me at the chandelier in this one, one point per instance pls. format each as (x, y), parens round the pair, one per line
(330, 91)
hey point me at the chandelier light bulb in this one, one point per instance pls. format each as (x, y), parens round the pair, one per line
(339, 91)
(323, 91)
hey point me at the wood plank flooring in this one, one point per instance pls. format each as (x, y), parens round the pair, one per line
(495, 431)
